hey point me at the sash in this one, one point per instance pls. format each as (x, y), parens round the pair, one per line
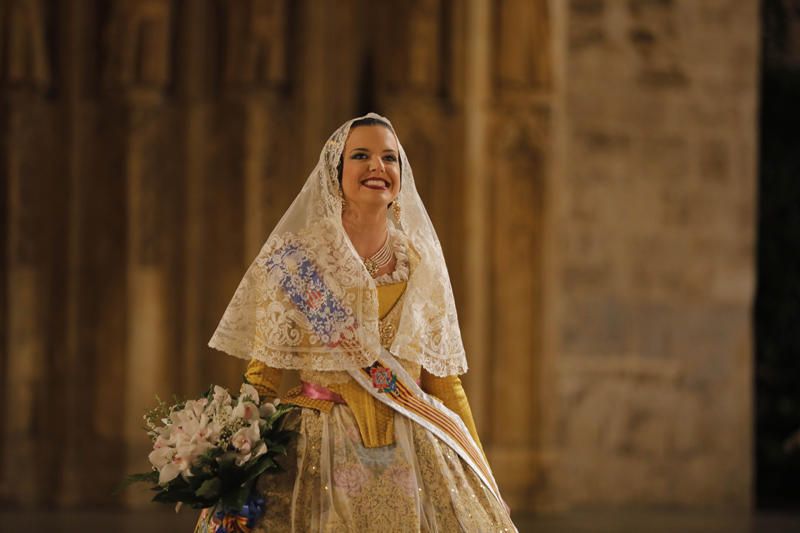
(388, 382)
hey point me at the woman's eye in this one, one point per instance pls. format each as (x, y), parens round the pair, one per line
(390, 158)
(358, 156)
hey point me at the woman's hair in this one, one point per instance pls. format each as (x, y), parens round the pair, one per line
(367, 121)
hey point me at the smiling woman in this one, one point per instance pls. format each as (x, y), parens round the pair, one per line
(353, 291)
(369, 178)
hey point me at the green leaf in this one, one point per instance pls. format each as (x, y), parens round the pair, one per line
(200, 473)
(178, 484)
(235, 500)
(210, 489)
(227, 467)
(166, 497)
(149, 477)
(174, 496)
(276, 448)
(201, 504)
(264, 463)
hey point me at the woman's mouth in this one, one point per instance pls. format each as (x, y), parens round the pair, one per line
(376, 184)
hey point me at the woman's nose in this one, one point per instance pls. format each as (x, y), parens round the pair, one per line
(376, 163)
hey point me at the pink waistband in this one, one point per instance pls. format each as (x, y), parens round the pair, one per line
(318, 392)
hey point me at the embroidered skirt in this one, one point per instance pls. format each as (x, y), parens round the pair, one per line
(331, 483)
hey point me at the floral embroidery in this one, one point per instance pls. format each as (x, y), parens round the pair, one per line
(401, 476)
(306, 289)
(351, 478)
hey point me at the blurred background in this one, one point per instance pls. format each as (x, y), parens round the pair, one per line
(616, 185)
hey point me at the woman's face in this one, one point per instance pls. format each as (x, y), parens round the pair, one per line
(371, 167)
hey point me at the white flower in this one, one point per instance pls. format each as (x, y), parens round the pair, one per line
(181, 442)
(248, 392)
(161, 456)
(247, 443)
(185, 424)
(196, 407)
(221, 396)
(191, 431)
(168, 473)
(188, 452)
(208, 429)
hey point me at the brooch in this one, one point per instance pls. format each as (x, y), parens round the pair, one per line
(386, 330)
(383, 379)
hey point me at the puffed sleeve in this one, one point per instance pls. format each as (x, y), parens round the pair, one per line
(264, 378)
(449, 390)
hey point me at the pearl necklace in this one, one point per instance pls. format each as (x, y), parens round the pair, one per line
(379, 259)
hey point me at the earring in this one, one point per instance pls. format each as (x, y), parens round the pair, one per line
(341, 197)
(396, 210)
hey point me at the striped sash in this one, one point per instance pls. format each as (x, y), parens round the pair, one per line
(388, 382)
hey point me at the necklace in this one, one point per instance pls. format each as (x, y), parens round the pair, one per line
(379, 259)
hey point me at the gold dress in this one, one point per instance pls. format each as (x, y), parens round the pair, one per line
(359, 466)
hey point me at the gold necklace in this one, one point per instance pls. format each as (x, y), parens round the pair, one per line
(379, 259)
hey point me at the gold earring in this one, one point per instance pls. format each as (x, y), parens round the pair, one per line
(396, 211)
(341, 197)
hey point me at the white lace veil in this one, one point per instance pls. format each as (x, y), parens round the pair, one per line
(308, 302)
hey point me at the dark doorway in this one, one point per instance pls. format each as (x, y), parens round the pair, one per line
(777, 307)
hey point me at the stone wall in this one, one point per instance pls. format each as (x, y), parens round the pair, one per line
(656, 228)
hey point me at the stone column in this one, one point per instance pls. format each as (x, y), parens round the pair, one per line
(328, 54)
(521, 149)
(250, 138)
(78, 143)
(475, 306)
(31, 283)
(195, 93)
(137, 75)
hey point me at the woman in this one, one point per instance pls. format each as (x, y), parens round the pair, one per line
(352, 290)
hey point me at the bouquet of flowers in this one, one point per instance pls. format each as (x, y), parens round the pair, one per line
(208, 453)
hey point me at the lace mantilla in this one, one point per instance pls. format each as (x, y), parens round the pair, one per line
(307, 301)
